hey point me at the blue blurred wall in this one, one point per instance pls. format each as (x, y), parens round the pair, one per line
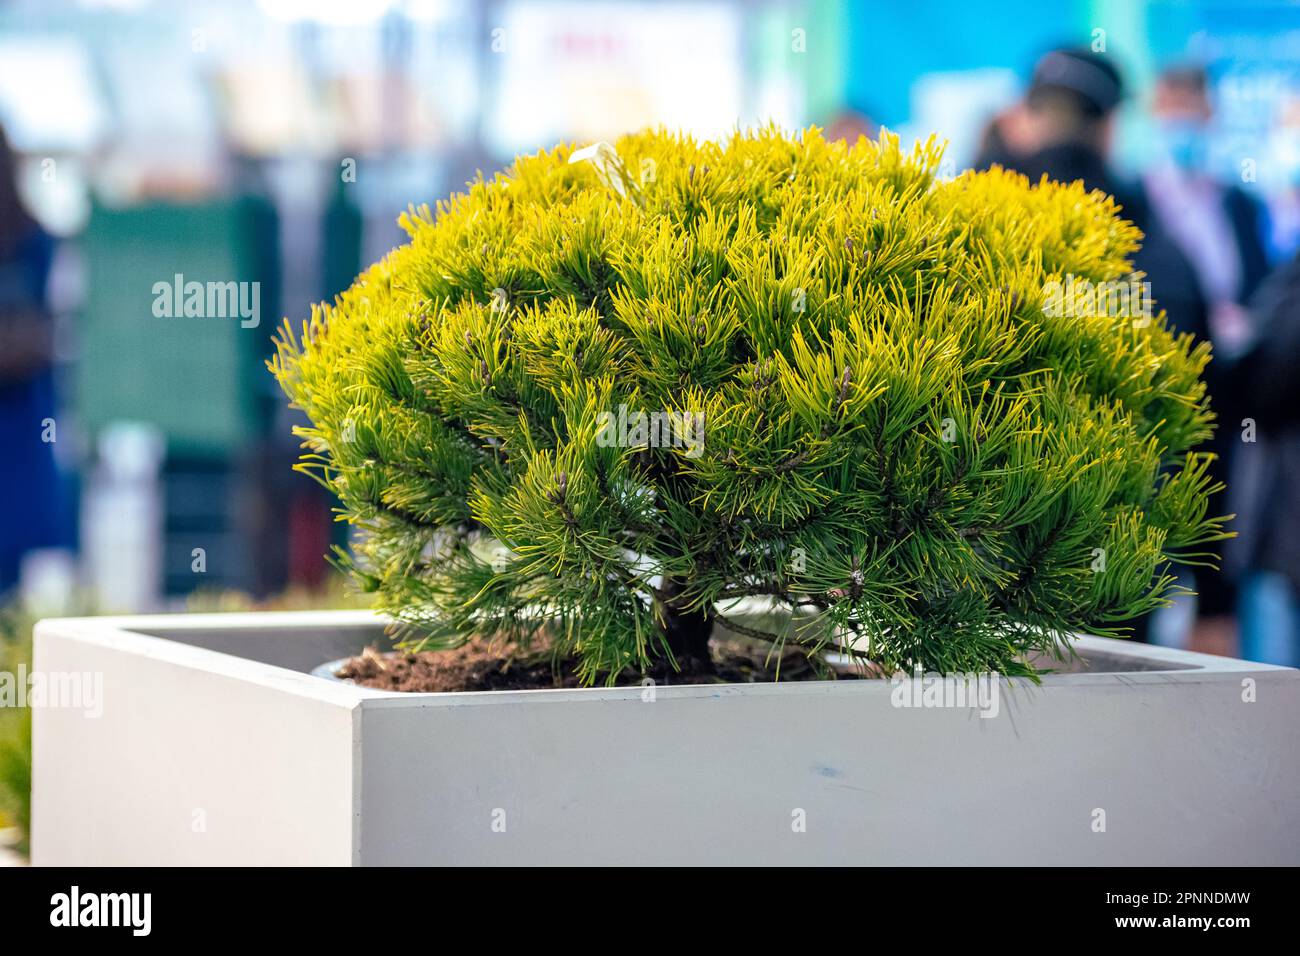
(889, 45)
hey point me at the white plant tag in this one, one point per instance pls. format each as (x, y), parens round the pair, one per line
(608, 164)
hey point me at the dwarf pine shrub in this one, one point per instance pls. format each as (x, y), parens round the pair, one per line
(611, 396)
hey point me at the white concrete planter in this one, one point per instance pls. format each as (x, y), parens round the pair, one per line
(215, 746)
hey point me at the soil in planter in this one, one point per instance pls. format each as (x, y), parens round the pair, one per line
(484, 665)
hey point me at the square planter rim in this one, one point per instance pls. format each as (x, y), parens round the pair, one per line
(298, 769)
(132, 633)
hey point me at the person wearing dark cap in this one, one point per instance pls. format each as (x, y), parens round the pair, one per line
(1091, 79)
(1069, 99)
(1065, 129)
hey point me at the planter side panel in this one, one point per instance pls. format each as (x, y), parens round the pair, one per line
(1183, 770)
(186, 765)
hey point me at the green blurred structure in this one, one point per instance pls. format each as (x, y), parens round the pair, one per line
(196, 379)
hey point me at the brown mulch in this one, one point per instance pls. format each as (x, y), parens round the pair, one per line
(483, 665)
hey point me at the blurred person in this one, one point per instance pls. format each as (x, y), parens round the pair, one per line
(1218, 226)
(1006, 138)
(1064, 130)
(1221, 230)
(1283, 150)
(850, 125)
(32, 515)
(1266, 480)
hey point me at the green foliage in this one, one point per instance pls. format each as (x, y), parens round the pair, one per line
(15, 726)
(898, 437)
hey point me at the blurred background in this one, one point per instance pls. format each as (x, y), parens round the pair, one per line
(148, 461)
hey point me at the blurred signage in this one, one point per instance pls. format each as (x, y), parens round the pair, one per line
(587, 71)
